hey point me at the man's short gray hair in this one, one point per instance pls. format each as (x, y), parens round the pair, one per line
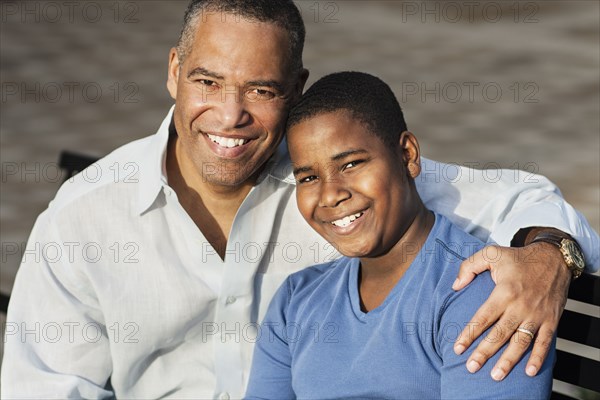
(282, 13)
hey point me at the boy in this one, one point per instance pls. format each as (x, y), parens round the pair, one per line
(381, 321)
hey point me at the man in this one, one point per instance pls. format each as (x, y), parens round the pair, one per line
(182, 259)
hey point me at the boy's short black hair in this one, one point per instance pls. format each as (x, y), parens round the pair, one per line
(368, 99)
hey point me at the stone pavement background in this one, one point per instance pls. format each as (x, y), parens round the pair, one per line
(91, 76)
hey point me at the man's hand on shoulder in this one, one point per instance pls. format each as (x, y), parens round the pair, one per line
(531, 292)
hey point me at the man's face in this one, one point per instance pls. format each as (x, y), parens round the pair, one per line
(351, 187)
(232, 93)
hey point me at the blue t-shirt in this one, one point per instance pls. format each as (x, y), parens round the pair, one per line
(316, 343)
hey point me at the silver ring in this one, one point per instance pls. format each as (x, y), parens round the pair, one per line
(526, 331)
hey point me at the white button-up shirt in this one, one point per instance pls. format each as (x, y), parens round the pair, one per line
(118, 282)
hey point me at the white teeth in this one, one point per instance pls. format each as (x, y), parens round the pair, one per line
(343, 222)
(226, 142)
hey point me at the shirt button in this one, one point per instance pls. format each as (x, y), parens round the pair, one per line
(230, 300)
(224, 396)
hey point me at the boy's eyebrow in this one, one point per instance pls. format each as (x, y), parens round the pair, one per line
(205, 72)
(347, 153)
(337, 157)
(300, 170)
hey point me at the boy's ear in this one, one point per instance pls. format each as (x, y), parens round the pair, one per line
(411, 153)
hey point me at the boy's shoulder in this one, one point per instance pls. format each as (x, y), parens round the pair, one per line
(440, 258)
(452, 241)
(454, 246)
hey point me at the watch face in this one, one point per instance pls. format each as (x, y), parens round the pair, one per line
(574, 254)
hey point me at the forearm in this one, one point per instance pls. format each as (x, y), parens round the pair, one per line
(551, 214)
(495, 211)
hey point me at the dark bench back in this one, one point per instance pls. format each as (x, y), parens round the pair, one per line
(583, 329)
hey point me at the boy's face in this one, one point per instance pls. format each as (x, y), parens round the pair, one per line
(352, 188)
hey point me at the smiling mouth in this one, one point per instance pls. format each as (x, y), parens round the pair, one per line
(347, 220)
(227, 143)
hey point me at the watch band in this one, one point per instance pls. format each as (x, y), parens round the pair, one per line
(569, 248)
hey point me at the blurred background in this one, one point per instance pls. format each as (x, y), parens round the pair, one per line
(511, 84)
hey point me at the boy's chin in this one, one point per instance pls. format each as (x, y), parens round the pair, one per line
(352, 250)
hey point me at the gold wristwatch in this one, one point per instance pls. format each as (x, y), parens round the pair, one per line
(569, 248)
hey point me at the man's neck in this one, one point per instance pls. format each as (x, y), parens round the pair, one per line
(212, 207)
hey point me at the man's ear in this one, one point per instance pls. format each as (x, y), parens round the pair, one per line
(173, 73)
(411, 153)
(300, 82)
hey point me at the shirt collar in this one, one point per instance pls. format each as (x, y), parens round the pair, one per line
(279, 165)
(153, 169)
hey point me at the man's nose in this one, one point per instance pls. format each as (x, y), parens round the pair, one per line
(231, 109)
(333, 192)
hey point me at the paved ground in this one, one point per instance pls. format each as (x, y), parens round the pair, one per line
(92, 77)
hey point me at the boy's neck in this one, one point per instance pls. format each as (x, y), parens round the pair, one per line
(379, 275)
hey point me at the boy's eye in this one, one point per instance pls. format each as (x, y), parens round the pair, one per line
(260, 94)
(351, 164)
(307, 179)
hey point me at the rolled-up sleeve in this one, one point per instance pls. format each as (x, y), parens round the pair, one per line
(494, 205)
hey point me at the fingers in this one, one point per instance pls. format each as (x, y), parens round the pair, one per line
(520, 341)
(472, 267)
(541, 346)
(518, 345)
(485, 316)
(497, 336)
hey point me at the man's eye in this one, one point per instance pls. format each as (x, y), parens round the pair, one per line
(260, 94)
(207, 82)
(307, 179)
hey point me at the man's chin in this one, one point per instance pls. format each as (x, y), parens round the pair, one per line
(230, 178)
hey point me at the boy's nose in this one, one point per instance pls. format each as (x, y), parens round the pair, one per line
(333, 193)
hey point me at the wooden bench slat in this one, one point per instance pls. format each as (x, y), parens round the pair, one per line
(4, 303)
(579, 328)
(72, 163)
(560, 396)
(577, 370)
(586, 289)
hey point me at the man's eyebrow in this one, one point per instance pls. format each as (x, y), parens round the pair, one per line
(205, 72)
(267, 83)
(347, 153)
